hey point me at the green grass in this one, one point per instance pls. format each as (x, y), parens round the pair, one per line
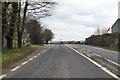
(36, 46)
(16, 53)
(108, 48)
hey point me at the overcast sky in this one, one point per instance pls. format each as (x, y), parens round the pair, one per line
(79, 19)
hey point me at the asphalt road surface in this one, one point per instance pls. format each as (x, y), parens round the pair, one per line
(59, 62)
(111, 55)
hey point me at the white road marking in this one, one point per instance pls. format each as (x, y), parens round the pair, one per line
(24, 62)
(38, 54)
(108, 60)
(35, 56)
(15, 68)
(88, 50)
(31, 59)
(2, 76)
(97, 54)
(104, 69)
(43, 51)
(113, 62)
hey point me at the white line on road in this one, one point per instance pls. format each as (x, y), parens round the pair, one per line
(2, 76)
(31, 59)
(108, 60)
(113, 62)
(15, 68)
(35, 56)
(88, 50)
(43, 51)
(38, 54)
(97, 54)
(24, 62)
(100, 66)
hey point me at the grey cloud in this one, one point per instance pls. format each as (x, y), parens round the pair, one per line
(73, 19)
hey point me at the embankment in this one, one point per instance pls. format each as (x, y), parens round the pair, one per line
(106, 40)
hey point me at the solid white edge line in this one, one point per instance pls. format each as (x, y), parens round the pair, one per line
(2, 76)
(104, 69)
(15, 68)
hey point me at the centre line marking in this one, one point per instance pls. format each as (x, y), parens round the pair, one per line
(15, 68)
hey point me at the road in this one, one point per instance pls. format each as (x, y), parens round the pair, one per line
(111, 55)
(59, 62)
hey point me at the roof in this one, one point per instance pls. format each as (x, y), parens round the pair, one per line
(116, 22)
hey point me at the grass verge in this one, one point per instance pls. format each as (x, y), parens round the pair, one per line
(17, 53)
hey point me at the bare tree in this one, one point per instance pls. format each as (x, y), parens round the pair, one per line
(34, 29)
(32, 10)
(21, 24)
(38, 10)
(9, 21)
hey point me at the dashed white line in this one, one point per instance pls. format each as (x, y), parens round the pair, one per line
(2, 76)
(104, 69)
(43, 51)
(31, 59)
(113, 62)
(88, 50)
(35, 56)
(15, 68)
(24, 62)
(97, 54)
(108, 60)
(38, 54)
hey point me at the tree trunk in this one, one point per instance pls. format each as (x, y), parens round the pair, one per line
(20, 31)
(47, 42)
(10, 34)
(9, 43)
(19, 40)
(4, 20)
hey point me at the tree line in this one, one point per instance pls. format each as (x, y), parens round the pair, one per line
(20, 23)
